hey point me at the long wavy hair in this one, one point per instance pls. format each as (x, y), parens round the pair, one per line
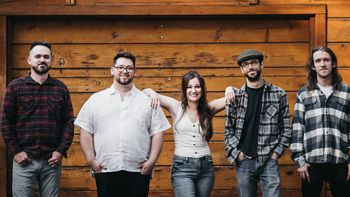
(203, 110)
(312, 75)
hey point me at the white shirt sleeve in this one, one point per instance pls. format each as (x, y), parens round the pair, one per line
(84, 119)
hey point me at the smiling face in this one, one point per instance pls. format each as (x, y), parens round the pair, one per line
(194, 90)
(123, 71)
(322, 64)
(252, 69)
(40, 59)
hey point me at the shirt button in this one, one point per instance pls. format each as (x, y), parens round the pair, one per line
(194, 125)
(194, 136)
(194, 144)
(195, 152)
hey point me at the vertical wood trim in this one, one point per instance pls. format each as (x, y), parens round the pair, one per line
(3, 82)
(320, 30)
(312, 32)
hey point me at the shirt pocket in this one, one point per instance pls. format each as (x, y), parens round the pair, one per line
(271, 110)
(26, 104)
(55, 104)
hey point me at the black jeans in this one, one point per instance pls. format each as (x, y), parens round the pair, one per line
(334, 174)
(122, 183)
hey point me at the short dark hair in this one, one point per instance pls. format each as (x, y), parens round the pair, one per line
(40, 43)
(125, 54)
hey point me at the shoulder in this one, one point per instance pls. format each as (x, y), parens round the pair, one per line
(16, 82)
(275, 89)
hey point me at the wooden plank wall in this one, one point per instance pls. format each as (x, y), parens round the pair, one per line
(165, 50)
(168, 48)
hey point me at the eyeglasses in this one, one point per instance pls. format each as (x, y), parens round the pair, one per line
(128, 69)
(253, 63)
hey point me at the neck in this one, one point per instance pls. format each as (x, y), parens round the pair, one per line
(255, 84)
(192, 106)
(123, 89)
(39, 78)
(324, 81)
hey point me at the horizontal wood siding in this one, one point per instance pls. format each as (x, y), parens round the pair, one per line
(166, 49)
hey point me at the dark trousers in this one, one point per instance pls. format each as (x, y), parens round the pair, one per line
(122, 184)
(334, 174)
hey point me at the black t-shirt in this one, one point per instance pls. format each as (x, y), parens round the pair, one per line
(249, 137)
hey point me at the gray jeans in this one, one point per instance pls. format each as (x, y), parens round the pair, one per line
(24, 178)
(192, 177)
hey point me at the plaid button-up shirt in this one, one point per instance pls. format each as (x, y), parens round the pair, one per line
(274, 128)
(321, 127)
(37, 119)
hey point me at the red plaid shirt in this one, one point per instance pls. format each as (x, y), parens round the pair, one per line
(37, 119)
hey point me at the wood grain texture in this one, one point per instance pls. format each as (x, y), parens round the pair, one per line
(168, 55)
(162, 31)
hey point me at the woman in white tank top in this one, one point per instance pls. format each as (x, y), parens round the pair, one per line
(192, 170)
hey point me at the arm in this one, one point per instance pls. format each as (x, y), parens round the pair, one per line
(67, 127)
(284, 127)
(231, 140)
(87, 145)
(166, 102)
(8, 121)
(218, 105)
(296, 146)
(156, 148)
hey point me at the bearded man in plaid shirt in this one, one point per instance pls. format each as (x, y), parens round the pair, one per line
(37, 125)
(257, 129)
(321, 127)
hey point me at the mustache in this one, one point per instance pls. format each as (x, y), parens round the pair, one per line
(43, 63)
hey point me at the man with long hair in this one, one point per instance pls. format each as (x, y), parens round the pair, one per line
(257, 129)
(321, 135)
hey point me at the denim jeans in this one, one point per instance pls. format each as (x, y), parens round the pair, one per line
(250, 172)
(192, 177)
(24, 178)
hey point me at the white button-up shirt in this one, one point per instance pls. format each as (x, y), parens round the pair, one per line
(121, 129)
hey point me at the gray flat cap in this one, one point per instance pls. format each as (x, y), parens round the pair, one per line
(248, 55)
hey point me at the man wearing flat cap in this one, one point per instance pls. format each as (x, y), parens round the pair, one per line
(257, 129)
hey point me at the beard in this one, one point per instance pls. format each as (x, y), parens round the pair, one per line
(41, 69)
(254, 78)
(127, 82)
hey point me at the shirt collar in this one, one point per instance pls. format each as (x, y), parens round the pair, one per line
(112, 90)
(29, 79)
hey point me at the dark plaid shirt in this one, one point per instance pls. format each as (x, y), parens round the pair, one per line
(321, 127)
(274, 127)
(37, 119)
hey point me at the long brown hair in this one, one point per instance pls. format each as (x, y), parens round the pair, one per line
(312, 76)
(204, 112)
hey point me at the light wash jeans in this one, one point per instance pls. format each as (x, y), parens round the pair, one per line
(193, 177)
(24, 178)
(250, 172)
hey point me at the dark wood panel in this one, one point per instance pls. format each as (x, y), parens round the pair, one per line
(167, 55)
(162, 31)
(3, 83)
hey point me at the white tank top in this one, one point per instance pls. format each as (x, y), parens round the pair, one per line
(188, 139)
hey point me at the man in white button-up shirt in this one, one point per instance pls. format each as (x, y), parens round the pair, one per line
(121, 135)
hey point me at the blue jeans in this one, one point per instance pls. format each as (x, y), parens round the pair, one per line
(193, 177)
(24, 178)
(250, 171)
